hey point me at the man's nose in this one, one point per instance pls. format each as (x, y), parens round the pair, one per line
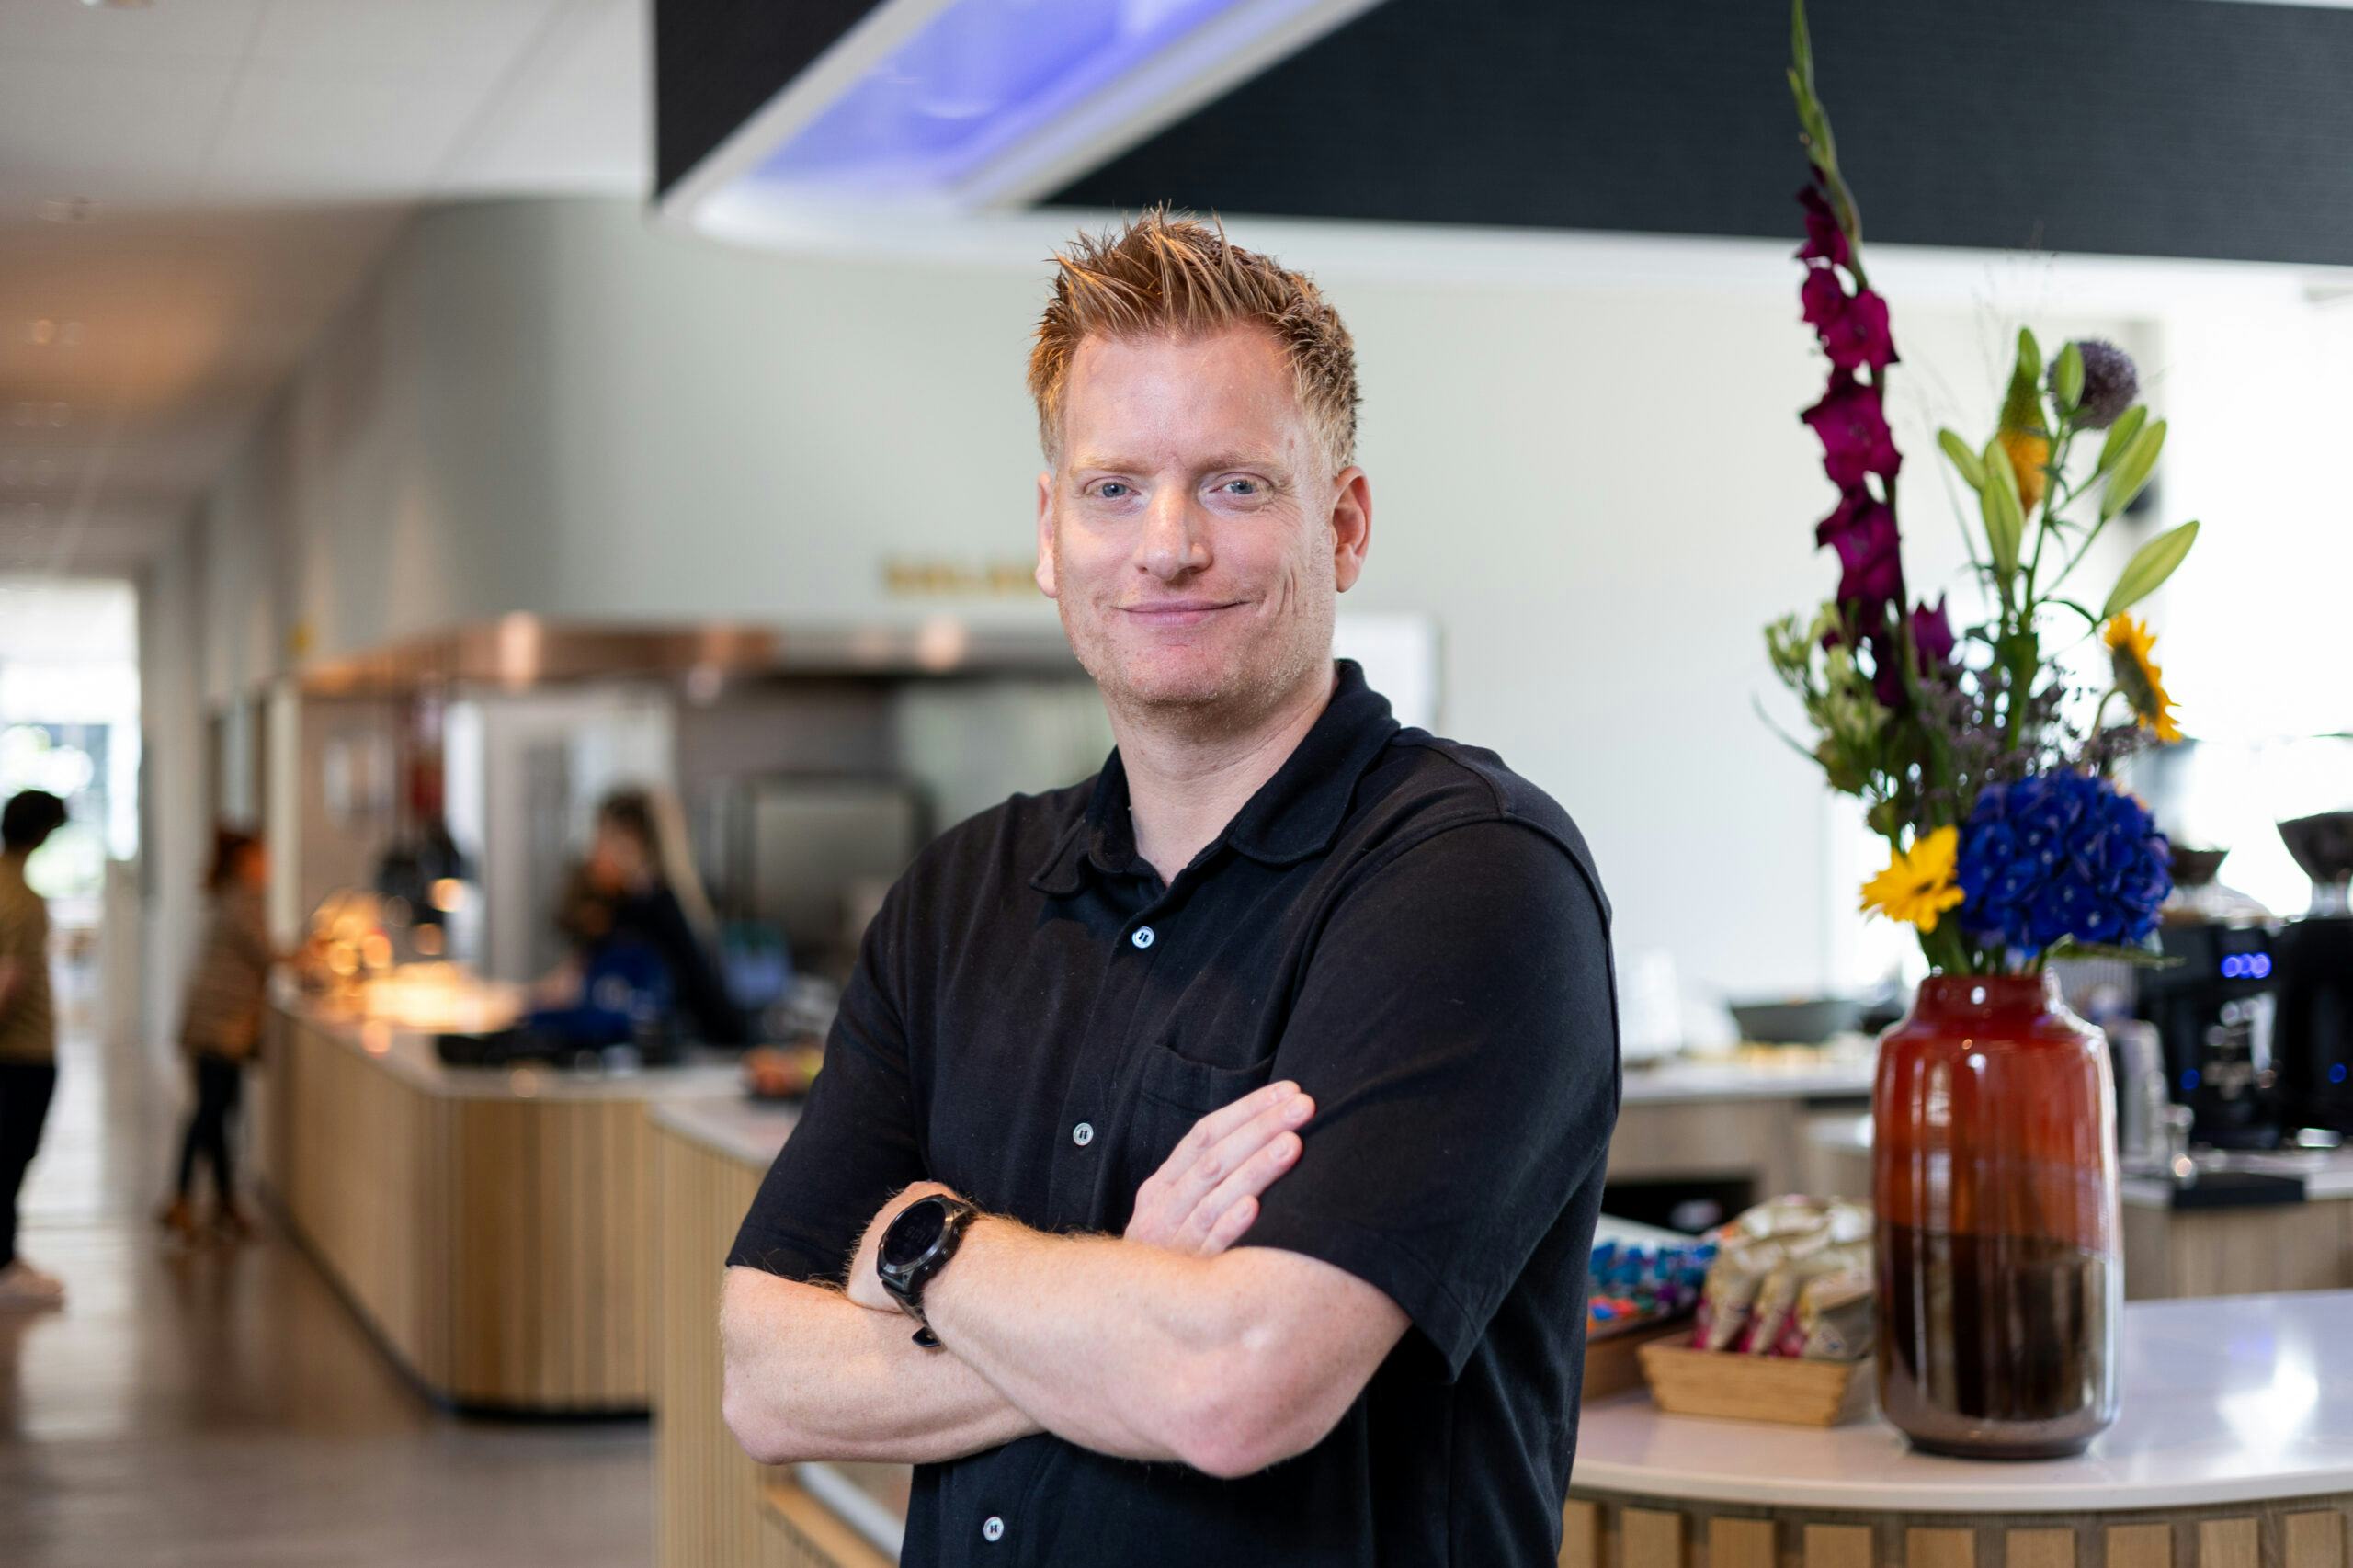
(1174, 542)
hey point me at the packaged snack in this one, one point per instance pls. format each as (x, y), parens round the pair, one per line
(1730, 1293)
(1833, 1321)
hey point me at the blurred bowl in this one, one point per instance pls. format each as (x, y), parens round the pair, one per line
(1806, 1022)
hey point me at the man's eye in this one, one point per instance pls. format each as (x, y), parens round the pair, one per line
(1240, 487)
(1111, 490)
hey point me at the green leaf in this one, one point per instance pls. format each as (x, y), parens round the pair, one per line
(2005, 525)
(2029, 356)
(2139, 958)
(2133, 469)
(2148, 569)
(1964, 459)
(2067, 378)
(2120, 436)
(1996, 462)
(1801, 45)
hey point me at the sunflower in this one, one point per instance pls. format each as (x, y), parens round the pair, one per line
(2129, 645)
(1918, 884)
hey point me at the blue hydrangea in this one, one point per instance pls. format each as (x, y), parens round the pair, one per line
(2062, 855)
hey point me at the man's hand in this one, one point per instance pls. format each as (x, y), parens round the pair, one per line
(1205, 1195)
(864, 1284)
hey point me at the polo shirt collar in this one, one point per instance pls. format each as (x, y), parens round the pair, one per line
(1294, 814)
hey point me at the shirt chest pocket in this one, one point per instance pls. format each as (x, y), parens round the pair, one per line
(1173, 1092)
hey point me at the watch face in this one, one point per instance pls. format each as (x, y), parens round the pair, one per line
(915, 1233)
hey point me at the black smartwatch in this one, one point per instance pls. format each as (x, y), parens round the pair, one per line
(920, 1240)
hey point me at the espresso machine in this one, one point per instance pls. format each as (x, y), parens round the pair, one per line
(2312, 963)
(2217, 1008)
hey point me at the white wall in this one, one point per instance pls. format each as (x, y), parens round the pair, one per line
(1594, 483)
(175, 836)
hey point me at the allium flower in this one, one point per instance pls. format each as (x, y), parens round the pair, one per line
(1855, 436)
(1917, 886)
(1825, 240)
(1862, 530)
(2110, 384)
(2062, 855)
(2132, 647)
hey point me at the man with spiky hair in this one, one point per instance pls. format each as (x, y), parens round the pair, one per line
(1207, 1154)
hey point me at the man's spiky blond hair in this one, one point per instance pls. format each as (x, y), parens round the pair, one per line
(1167, 273)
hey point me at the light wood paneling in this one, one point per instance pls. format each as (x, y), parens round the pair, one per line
(2139, 1546)
(2312, 1540)
(2040, 1549)
(1653, 1537)
(812, 1535)
(2227, 1544)
(499, 1249)
(1758, 1139)
(1838, 1546)
(707, 1509)
(1740, 1543)
(2173, 1253)
(1612, 1530)
(1580, 1535)
(1940, 1548)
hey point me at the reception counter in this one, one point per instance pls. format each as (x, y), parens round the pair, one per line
(2234, 1450)
(492, 1226)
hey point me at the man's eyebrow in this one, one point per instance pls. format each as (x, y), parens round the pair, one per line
(1095, 464)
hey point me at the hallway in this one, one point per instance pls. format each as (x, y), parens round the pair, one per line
(218, 1407)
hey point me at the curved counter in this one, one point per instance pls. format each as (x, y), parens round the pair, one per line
(492, 1227)
(2234, 1450)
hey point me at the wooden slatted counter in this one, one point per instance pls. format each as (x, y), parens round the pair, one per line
(492, 1227)
(2234, 1450)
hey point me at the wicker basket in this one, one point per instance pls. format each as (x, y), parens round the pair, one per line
(1757, 1388)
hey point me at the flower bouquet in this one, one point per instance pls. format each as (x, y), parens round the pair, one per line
(2010, 841)
(1997, 1258)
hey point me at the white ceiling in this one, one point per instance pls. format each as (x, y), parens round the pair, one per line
(246, 163)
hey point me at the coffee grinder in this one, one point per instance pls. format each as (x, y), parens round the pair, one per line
(2314, 967)
(2216, 1009)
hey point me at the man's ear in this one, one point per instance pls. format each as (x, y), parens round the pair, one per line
(1351, 526)
(1045, 573)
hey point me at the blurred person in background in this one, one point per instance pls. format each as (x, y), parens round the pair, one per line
(221, 1029)
(27, 1033)
(635, 912)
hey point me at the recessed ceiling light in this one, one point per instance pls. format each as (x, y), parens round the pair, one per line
(69, 209)
(118, 5)
(44, 332)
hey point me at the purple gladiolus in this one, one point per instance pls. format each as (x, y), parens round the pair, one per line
(1825, 240)
(1862, 530)
(1855, 436)
(1932, 635)
(1858, 336)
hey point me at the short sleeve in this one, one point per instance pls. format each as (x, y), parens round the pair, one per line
(856, 1143)
(1458, 1029)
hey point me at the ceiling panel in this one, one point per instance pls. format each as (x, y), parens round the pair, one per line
(251, 160)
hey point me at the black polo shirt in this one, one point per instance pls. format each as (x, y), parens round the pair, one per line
(1397, 922)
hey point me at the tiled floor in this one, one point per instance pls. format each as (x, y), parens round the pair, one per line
(219, 1408)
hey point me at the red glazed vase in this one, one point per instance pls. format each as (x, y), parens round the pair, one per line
(1994, 1178)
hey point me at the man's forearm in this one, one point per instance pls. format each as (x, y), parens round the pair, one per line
(813, 1375)
(1126, 1349)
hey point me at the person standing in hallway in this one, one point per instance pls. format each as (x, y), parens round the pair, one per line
(27, 1033)
(221, 1031)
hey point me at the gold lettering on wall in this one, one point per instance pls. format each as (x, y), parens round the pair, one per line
(937, 577)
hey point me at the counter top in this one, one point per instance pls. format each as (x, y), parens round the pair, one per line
(746, 1131)
(2225, 1401)
(408, 1055)
(2326, 1173)
(1760, 1074)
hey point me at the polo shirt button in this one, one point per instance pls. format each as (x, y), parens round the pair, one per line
(1083, 1134)
(1143, 938)
(993, 1529)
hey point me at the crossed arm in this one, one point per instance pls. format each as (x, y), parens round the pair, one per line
(1168, 1342)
